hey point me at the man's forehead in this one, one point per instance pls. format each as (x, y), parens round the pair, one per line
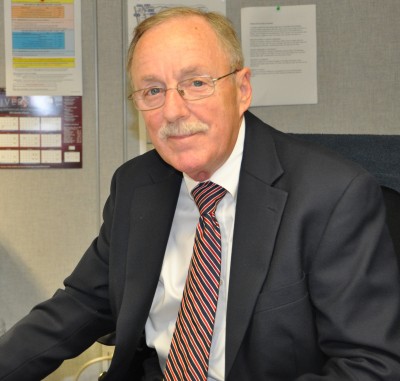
(190, 26)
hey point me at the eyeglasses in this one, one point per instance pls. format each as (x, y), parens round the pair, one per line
(191, 89)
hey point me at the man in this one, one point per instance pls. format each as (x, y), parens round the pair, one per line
(308, 283)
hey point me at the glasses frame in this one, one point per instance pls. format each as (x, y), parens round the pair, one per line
(131, 97)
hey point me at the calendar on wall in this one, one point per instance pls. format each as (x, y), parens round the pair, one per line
(40, 131)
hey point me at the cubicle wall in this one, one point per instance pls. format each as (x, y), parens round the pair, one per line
(358, 110)
(49, 217)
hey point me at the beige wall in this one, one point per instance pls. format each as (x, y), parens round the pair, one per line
(358, 56)
(49, 217)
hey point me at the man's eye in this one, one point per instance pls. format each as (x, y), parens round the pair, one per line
(198, 83)
(152, 91)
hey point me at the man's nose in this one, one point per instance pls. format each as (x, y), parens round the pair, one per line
(175, 107)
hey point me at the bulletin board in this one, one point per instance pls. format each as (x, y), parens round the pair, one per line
(40, 131)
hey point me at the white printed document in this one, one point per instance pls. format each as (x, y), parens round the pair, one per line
(280, 47)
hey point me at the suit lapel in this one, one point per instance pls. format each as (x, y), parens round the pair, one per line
(152, 211)
(258, 214)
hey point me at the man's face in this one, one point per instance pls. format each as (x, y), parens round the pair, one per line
(174, 51)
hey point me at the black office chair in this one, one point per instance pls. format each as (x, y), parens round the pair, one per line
(392, 202)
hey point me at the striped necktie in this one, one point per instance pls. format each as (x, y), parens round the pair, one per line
(190, 347)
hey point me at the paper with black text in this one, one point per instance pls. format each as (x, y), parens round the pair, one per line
(280, 47)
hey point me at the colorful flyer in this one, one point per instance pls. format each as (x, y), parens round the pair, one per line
(43, 47)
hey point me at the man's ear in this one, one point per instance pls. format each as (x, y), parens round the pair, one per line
(244, 88)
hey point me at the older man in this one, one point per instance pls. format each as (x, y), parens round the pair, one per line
(292, 274)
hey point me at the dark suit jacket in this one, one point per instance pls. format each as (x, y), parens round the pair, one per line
(314, 284)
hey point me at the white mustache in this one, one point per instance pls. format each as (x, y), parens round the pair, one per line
(181, 129)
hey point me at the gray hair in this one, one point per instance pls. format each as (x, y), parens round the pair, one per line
(222, 27)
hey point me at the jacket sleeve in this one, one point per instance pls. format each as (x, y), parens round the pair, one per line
(354, 285)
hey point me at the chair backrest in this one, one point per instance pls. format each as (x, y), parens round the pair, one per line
(392, 202)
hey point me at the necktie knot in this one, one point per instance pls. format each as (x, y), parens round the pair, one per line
(207, 195)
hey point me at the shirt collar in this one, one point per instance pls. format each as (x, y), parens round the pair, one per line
(227, 175)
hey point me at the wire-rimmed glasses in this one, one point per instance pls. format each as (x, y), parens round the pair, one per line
(190, 89)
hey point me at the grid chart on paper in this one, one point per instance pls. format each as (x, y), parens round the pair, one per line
(31, 140)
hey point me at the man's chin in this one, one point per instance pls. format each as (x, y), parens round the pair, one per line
(194, 170)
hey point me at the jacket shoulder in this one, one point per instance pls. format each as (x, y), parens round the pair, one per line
(144, 169)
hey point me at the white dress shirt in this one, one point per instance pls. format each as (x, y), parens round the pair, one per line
(160, 324)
